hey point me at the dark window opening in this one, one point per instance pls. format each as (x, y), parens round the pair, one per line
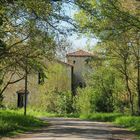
(20, 102)
(74, 61)
(21, 98)
(82, 85)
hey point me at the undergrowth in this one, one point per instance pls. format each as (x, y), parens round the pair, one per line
(13, 121)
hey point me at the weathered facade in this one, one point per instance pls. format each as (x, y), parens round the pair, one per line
(61, 76)
(58, 78)
(79, 60)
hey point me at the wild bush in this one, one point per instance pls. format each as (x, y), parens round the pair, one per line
(84, 101)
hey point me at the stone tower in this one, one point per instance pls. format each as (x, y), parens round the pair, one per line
(79, 60)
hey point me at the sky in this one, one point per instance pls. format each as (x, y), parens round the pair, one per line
(77, 41)
(82, 42)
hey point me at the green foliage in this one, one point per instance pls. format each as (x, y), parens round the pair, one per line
(104, 86)
(58, 102)
(84, 101)
(89, 100)
(116, 17)
(54, 95)
(132, 122)
(117, 25)
(64, 103)
(28, 35)
(105, 117)
(11, 121)
(105, 91)
(41, 113)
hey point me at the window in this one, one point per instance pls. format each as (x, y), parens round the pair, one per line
(20, 102)
(21, 98)
(82, 84)
(74, 61)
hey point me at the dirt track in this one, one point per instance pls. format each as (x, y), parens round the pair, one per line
(74, 129)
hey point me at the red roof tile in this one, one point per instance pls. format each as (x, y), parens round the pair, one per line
(80, 53)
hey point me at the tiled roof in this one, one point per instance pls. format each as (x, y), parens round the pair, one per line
(80, 53)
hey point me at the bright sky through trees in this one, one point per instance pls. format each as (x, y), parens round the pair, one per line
(77, 40)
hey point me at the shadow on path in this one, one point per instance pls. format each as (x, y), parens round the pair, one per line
(75, 129)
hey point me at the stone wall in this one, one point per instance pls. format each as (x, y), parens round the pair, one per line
(80, 68)
(58, 77)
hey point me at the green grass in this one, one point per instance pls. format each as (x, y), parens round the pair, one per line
(12, 122)
(105, 117)
(37, 113)
(131, 122)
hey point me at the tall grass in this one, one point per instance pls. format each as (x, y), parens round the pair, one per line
(14, 120)
(132, 122)
(105, 117)
(11, 121)
(40, 113)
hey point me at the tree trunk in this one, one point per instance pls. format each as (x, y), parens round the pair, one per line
(130, 95)
(26, 90)
(7, 84)
(138, 84)
(128, 89)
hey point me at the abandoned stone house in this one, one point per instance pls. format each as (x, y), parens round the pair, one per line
(63, 76)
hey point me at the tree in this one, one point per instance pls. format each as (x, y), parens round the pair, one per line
(121, 60)
(27, 32)
(108, 20)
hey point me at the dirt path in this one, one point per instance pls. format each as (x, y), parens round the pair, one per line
(74, 129)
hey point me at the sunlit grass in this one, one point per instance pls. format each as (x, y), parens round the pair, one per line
(41, 113)
(12, 121)
(131, 122)
(105, 117)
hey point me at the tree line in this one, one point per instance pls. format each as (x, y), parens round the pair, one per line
(117, 71)
(28, 31)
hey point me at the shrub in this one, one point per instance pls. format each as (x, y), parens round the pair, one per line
(55, 101)
(64, 103)
(89, 100)
(84, 101)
